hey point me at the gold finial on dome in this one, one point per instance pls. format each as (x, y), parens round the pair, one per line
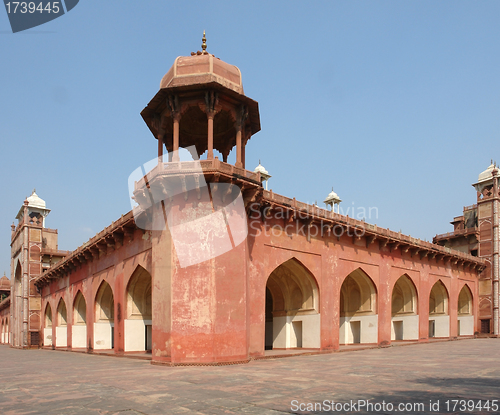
(204, 43)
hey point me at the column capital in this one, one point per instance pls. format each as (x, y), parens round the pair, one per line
(241, 117)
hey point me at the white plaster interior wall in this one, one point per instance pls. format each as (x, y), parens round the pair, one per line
(466, 324)
(79, 336)
(47, 336)
(285, 332)
(102, 335)
(441, 325)
(135, 335)
(61, 336)
(364, 329)
(408, 325)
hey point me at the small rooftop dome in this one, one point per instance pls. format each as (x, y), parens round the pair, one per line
(264, 174)
(260, 169)
(332, 198)
(35, 201)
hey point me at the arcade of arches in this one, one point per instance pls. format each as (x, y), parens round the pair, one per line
(299, 277)
(293, 314)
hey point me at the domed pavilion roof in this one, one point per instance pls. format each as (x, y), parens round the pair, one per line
(202, 68)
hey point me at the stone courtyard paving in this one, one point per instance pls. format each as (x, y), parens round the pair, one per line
(56, 382)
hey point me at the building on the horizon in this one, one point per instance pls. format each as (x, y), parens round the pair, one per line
(239, 270)
(476, 233)
(34, 249)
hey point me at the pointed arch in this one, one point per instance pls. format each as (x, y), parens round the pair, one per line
(138, 322)
(465, 312)
(17, 306)
(104, 317)
(62, 314)
(358, 309)
(79, 309)
(48, 315)
(439, 320)
(404, 296)
(358, 294)
(104, 301)
(139, 295)
(465, 301)
(293, 288)
(405, 323)
(292, 307)
(62, 325)
(79, 329)
(438, 299)
(47, 330)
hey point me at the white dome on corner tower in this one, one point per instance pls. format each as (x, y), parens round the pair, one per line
(35, 201)
(488, 173)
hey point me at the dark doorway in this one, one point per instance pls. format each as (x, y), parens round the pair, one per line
(269, 320)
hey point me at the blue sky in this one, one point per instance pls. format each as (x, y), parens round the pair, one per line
(394, 104)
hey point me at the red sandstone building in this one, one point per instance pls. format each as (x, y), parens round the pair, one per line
(297, 276)
(476, 233)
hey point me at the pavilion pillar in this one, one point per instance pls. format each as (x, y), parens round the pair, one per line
(210, 154)
(176, 118)
(238, 147)
(160, 149)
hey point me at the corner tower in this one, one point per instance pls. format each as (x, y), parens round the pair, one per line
(33, 249)
(200, 260)
(488, 196)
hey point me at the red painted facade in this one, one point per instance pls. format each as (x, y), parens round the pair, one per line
(281, 287)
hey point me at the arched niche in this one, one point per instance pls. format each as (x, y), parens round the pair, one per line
(357, 295)
(438, 299)
(105, 305)
(62, 314)
(17, 306)
(439, 320)
(405, 324)
(79, 329)
(465, 312)
(138, 324)
(292, 307)
(61, 325)
(104, 317)
(358, 309)
(404, 297)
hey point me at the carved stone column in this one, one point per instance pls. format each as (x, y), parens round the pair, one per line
(239, 125)
(173, 104)
(176, 117)
(211, 108)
